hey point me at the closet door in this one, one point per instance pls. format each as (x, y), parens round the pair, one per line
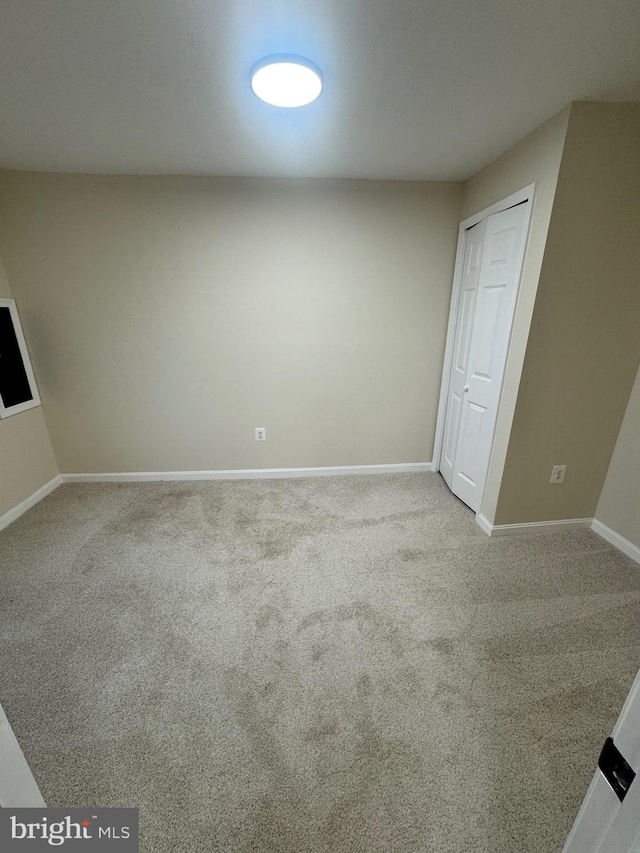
(474, 242)
(500, 266)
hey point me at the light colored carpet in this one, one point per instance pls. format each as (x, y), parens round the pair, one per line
(340, 664)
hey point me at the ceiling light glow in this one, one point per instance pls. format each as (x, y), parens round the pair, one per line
(286, 80)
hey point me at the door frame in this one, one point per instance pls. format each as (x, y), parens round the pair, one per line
(18, 788)
(601, 819)
(525, 194)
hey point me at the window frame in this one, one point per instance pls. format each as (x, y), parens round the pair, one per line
(7, 411)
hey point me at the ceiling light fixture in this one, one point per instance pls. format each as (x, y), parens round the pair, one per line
(285, 80)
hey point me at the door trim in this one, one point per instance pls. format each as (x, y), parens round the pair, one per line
(18, 788)
(525, 194)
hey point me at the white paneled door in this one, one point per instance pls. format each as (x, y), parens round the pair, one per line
(492, 261)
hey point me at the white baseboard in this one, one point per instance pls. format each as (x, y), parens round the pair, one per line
(616, 540)
(27, 503)
(240, 474)
(250, 473)
(532, 526)
(484, 524)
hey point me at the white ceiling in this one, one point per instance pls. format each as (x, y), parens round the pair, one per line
(414, 89)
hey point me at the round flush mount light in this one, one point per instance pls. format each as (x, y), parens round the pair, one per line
(286, 80)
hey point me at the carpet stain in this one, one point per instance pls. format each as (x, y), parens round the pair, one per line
(390, 518)
(321, 730)
(270, 614)
(443, 645)
(371, 623)
(410, 555)
(277, 546)
(382, 755)
(364, 686)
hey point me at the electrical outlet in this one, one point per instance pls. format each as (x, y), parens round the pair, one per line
(260, 434)
(557, 473)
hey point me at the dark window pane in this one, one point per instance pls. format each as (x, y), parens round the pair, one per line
(14, 384)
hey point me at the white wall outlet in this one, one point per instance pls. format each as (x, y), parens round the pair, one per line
(557, 473)
(260, 434)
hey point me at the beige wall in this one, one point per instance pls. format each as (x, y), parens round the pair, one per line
(584, 345)
(536, 159)
(26, 458)
(619, 504)
(170, 316)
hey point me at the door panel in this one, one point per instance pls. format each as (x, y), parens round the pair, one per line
(474, 428)
(474, 243)
(495, 297)
(484, 366)
(501, 245)
(464, 339)
(451, 431)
